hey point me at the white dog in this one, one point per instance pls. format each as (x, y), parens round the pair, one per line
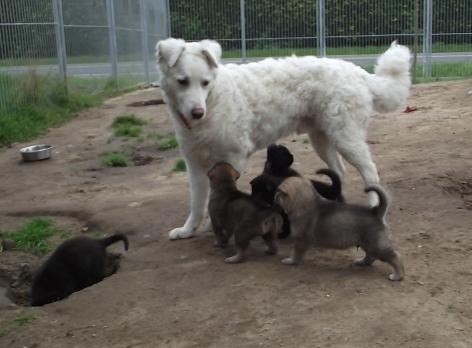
(227, 112)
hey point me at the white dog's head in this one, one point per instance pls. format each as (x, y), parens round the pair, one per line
(187, 73)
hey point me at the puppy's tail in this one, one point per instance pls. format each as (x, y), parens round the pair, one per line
(390, 86)
(380, 209)
(115, 238)
(333, 192)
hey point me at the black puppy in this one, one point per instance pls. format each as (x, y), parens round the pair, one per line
(279, 161)
(278, 167)
(75, 264)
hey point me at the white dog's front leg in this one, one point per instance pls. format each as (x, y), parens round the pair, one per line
(198, 201)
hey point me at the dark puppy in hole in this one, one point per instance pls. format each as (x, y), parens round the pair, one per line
(336, 225)
(75, 264)
(278, 167)
(235, 212)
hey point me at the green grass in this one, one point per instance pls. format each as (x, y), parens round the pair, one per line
(32, 103)
(251, 52)
(127, 125)
(168, 142)
(115, 160)
(336, 51)
(127, 120)
(32, 236)
(127, 131)
(25, 319)
(179, 166)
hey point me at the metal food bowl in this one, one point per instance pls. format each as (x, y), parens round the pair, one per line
(36, 152)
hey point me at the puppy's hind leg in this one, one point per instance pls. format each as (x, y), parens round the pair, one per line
(241, 240)
(301, 245)
(269, 238)
(393, 258)
(367, 260)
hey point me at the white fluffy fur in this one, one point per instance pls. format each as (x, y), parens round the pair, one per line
(249, 106)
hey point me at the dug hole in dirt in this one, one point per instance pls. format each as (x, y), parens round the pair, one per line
(182, 294)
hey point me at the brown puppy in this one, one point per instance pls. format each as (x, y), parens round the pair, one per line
(336, 225)
(235, 212)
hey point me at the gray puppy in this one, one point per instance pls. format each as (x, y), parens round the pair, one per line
(235, 212)
(336, 225)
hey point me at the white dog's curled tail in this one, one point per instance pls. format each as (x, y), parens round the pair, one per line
(381, 209)
(391, 83)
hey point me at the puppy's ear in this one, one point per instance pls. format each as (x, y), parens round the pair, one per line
(169, 51)
(211, 173)
(235, 174)
(287, 158)
(212, 52)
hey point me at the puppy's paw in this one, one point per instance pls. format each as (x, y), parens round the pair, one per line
(235, 259)
(289, 261)
(395, 277)
(181, 233)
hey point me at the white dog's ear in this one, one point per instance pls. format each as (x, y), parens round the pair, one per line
(212, 52)
(169, 50)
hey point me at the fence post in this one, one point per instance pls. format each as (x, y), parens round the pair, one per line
(427, 37)
(169, 24)
(242, 11)
(60, 41)
(320, 28)
(112, 39)
(144, 36)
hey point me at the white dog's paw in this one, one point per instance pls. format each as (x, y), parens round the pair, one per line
(181, 233)
(289, 261)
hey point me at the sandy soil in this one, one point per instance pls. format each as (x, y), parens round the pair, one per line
(182, 294)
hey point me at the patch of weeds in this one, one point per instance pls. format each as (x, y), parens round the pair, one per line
(306, 141)
(167, 143)
(23, 320)
(128, 131)
(32, 236)
(3, 332)
(115, 160)
(127, 120)
(179, 166)
(127, 125)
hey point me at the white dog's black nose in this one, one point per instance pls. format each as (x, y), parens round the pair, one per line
(197, 113)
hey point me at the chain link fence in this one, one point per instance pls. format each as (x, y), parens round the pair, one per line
(92, 43)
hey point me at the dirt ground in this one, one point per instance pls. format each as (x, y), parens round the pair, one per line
(182, 294)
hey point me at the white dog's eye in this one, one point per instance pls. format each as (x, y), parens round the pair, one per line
(205, 83)
(183, 82)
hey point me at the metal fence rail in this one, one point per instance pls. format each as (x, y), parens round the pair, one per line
(113, 40)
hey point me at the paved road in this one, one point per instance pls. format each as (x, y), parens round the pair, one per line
(104, 69)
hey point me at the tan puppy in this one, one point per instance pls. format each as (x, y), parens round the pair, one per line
(235, 212)
(336, 225)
